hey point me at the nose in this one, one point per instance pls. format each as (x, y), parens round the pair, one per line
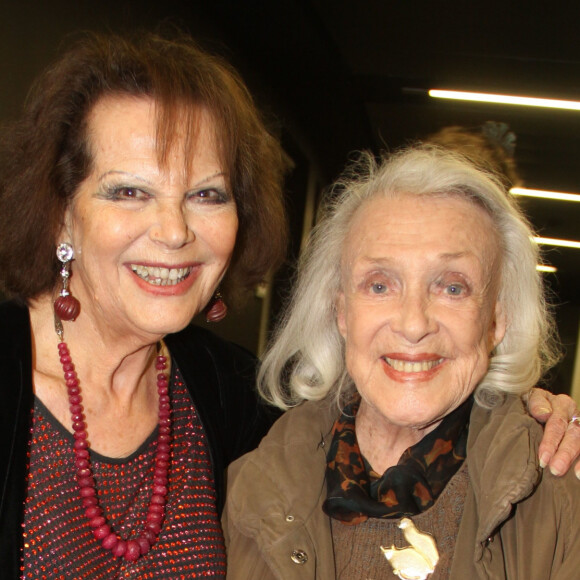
(414, 320)
(171, 227)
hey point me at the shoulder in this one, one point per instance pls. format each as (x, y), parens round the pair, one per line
(221, 379)
(218, 373)
(15, 323)
(295, 438)
(504, 467)
(502, 456)
(504, 422)
(15, 342)
(194, 342)
(15, 413)
(307, 424)
(215, 366)
(292, 453)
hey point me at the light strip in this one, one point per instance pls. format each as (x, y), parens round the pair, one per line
(505, 99)
(545, 194)
(555, 242)
(544, 268)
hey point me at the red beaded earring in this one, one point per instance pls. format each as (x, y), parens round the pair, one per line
(216, 310)
(66, 306)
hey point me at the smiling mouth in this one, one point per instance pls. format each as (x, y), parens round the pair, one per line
(161, 276)
(405, 366)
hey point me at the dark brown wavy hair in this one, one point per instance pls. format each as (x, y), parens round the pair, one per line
(45, 155)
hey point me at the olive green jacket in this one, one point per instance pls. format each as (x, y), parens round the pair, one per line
(518, 523)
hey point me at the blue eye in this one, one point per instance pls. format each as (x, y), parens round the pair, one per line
(378, 288)
(454, 289)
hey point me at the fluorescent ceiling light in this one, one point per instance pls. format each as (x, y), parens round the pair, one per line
(555, 242)
(505, 99)
(545, 194)
(545, 268)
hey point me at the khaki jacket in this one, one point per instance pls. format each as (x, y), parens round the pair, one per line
(518, 523)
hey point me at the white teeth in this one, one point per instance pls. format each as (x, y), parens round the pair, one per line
(412, 367)
(161, 276)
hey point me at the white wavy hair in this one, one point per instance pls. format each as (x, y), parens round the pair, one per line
(306, 361)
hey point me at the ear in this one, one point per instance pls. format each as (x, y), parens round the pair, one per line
(341, 314)
(498, 326)
(65, 233)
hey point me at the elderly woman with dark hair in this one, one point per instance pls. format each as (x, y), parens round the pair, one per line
(417, 325)
(139, 180)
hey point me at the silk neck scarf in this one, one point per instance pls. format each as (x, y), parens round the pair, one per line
(355, 493)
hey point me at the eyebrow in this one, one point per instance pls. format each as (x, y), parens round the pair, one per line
(445, 257)
(454, 255)
(144, 180)
(210, 177)
(124, 173)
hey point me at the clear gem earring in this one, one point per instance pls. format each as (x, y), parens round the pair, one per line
(66, 306)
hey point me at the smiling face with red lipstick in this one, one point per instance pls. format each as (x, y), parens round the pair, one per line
(151, 242)
(418, 310)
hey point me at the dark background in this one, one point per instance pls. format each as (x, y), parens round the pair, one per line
(339, 76)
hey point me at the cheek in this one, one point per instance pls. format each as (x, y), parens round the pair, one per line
(473, 360)
(221, 234)
(100, 232)
(466, 327)
(361, 326)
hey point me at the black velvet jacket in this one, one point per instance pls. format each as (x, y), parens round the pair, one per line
(220, 377)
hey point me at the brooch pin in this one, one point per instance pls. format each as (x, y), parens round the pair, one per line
(418, 560)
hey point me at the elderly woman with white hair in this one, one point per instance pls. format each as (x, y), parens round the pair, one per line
(417, 327)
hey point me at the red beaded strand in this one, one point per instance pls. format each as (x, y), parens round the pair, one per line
(133, 549)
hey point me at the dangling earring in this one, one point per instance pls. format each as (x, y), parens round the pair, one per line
(66, 306)
(216, 310)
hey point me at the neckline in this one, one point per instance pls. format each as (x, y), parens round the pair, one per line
(95, 456)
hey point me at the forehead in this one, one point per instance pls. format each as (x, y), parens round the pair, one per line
(132, 127)
(114, 119)
(420, 227)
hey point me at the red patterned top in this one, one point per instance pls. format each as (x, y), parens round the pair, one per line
(58, 542)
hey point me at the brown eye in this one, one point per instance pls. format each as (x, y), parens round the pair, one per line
(125, 193)
(211, 195)
(131, 193)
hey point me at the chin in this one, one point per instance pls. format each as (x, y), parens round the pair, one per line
(167, 321)
(416, 415)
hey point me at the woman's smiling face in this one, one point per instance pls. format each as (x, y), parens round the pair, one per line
(418, 310)
(151, 242)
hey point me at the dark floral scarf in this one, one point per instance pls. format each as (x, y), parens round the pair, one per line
(356, 493)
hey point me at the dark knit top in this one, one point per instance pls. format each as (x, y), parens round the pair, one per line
(58, 542)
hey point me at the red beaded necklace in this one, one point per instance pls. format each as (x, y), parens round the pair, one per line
(131, 550)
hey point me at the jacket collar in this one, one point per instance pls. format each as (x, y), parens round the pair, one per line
(503, 469)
